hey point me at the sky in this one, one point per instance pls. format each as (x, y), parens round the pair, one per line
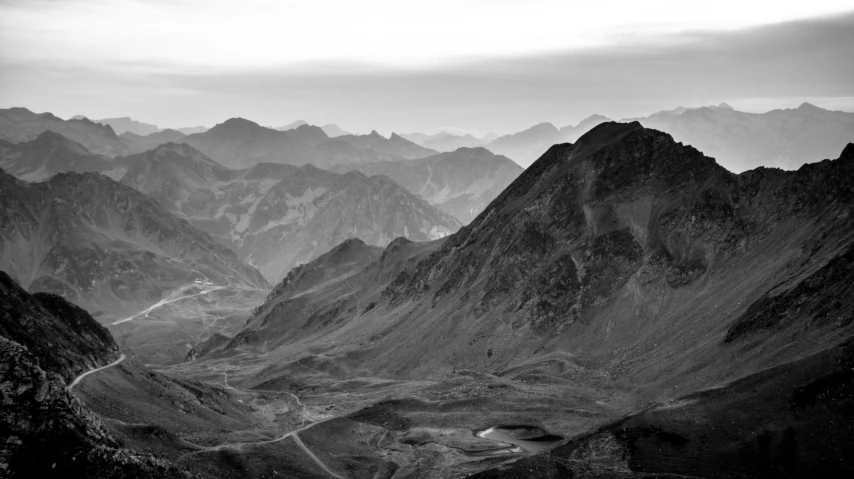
(478, 66)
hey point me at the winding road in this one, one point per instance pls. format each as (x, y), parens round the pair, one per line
(163, 302)
(293, 434)
(79, 378)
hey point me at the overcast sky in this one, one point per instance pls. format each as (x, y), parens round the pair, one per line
(481, 66)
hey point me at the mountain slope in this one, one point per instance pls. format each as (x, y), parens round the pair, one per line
(740, 141)
(48, 154)
(460, 183)
(606, 247)
(115, 252)
(278, 216)
(44, 343)
(19, 124)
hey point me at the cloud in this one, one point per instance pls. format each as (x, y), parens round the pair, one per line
(638, 75)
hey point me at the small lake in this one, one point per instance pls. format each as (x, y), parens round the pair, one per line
(525, 438)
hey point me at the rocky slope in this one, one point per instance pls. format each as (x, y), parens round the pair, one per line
(739, 141)
(19, 125)
(99, 243)
(48, 154)
(44, 343)
(460, 183)
(278, 216)
(239, 143)
(635, 252)
(117, 253)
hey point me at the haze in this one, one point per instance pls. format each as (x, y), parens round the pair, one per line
(479, 66)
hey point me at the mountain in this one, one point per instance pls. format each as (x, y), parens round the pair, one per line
(451, 142)
(395, 145)
(460, 183)
(571, 134)
(292, 126)
(44, 343)
(239, 143)
(786, 138)
(19, 124)
(332, 130)
(139, 143)
(278, 216)
(625, 292)
(122, 421)
(116, 252)
(48, 154)
(189, 130)
(126, 124)
(526, 146)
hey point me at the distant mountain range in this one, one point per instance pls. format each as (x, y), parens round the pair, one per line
(19, 125)
(140, 143)
(738, 140)
(48, 154)
(239, 143)
(461, 183)
(447, 141)
(741, 141)
(128, 125)
(278, 216)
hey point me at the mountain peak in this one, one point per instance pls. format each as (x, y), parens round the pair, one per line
(805, 106)
(375, 134)
(235, 126)
(725, 106)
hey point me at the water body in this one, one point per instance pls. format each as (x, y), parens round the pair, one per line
(524, 438)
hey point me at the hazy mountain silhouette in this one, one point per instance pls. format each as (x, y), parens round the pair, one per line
(395, 145)
(240, 143)
(739, 140)
(126, 124)
(48, 154)
(19, 125)
(139, 143)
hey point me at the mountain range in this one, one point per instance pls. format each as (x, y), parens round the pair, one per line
(239, 143)
(659, 292)
(48, 154)
(19, 124)
(278, 216)
(786, 138)
(624, 307)
(460, 183)
(115, 252)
